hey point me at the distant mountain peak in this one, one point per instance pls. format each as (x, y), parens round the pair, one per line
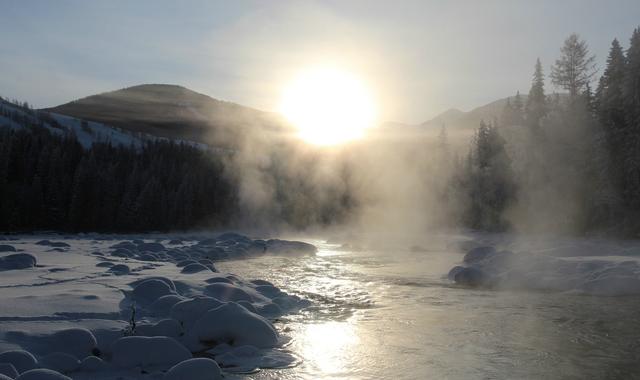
(453, 118)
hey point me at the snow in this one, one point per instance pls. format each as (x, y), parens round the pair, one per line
(194, 268)
(7, 369)
(60, 362)
(164, 327)
(92, 132)
(42, 374)
(21, 360)
(227, 292)
(582, 267)
(92, 364)
(75, 341)
(148, 352)
(232, 324)
(188, 312)
(195, 369)
(70, 301)
(150, 290)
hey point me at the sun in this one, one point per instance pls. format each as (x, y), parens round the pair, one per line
(328, 106)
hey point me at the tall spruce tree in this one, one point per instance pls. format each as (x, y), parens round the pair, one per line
(536, 107)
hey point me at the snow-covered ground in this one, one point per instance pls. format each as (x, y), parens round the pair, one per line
(98, 307)
(91, 132)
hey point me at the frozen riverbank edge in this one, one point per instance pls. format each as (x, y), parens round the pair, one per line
(589, 267)
(103, 306)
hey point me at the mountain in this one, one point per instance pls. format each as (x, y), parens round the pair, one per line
(171, 111)
(455, 119)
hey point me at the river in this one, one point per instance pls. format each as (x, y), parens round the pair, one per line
(391, 313)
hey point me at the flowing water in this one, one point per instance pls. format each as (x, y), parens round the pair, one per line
(392, 314)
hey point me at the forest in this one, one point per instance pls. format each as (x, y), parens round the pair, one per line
(567, 162)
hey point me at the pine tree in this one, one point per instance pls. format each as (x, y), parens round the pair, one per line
(536, 107)
(575, 67)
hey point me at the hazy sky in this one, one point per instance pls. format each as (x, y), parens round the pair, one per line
(419, 57)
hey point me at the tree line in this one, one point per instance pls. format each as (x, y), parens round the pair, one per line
(49, 182)
(565, 162)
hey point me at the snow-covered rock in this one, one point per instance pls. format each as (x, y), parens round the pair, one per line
(194, 268)
(489, 267)
(150, 247)
(232, 324)
(140, 351)
(17, 261)
(187, 312)
(277, 246)
(164, 327)
(471, 277)
(92, 364)
(60, 361)
(120, 269)
(149, 291)
(7, 248)
(162, 306)
(194, 369)
(227, 292)
(78, 342)
(22, 360)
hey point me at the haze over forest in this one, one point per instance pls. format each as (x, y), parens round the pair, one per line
(317, 189)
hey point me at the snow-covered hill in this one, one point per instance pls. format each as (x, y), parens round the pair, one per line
(87, 132)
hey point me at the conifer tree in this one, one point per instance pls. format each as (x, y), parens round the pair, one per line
(536, 107)
(575, 67)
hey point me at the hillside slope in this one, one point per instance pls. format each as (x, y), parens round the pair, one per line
(171, 111)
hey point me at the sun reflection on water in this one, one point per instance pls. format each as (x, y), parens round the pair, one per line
(326, 345)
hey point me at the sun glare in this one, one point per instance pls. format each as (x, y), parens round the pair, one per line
(328, 106)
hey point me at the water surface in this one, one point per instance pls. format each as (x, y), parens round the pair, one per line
(392, 314)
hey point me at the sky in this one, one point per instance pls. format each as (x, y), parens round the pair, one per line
(419, 58)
